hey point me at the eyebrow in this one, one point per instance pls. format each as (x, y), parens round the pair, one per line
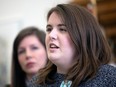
(48, 25)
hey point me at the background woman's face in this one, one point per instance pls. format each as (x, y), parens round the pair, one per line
(31, 55)
(60, 48)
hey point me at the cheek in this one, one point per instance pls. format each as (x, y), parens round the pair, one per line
(20, 60)
(46, 39)
(68, 42)
(69, 46)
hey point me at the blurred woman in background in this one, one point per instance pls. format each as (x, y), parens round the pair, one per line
(29, 56)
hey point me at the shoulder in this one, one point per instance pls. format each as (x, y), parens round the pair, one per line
(107, 75)
(107, 70)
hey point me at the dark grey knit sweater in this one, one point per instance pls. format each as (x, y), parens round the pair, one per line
(106, 77)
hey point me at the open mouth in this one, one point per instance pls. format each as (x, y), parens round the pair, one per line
(53, 46)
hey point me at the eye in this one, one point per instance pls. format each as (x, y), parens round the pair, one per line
(48, 29)
(21, 51)
(34, 47)
(62, 30)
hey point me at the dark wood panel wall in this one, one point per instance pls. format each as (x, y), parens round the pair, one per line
(106, 14)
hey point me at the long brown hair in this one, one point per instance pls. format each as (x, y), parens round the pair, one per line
(91, 46)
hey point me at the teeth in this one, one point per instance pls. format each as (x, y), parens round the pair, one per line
(53, 46)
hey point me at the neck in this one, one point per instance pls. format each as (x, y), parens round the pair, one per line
(64, 68)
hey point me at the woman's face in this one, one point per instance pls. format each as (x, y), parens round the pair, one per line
(31, 55)
(60, 48)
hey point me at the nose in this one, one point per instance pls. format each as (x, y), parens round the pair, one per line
(53, 34)
(28, 54)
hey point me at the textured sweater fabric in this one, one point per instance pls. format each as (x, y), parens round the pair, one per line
(106, 77)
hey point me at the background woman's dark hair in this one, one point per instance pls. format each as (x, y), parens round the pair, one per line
(91, 46)
(18, 75)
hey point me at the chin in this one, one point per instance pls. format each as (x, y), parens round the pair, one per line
(32, 71)
(53, 59)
